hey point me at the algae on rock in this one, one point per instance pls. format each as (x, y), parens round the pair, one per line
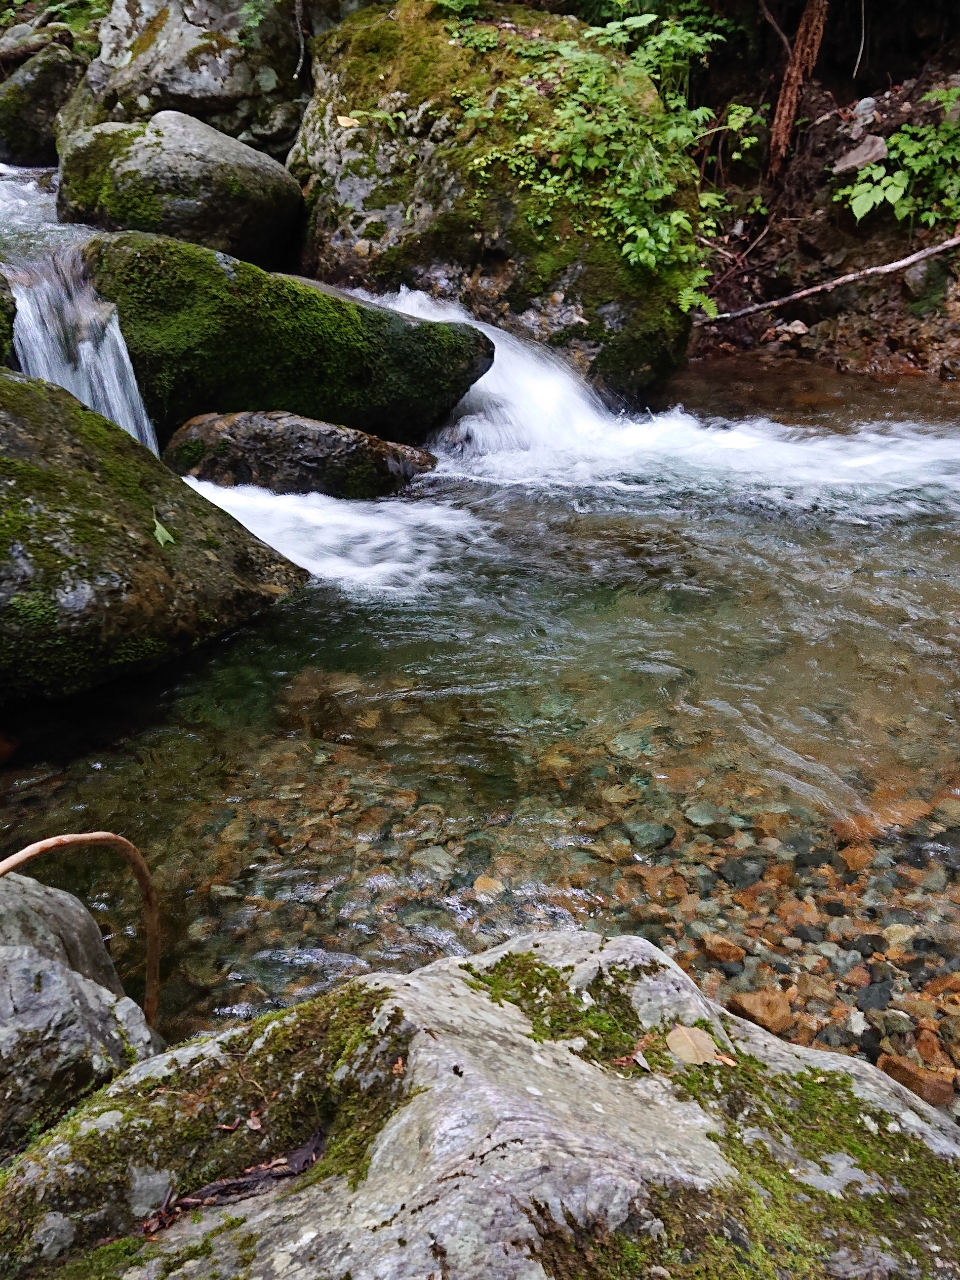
(413, 159)
(209, 334)
(29, 101)
(108, 562)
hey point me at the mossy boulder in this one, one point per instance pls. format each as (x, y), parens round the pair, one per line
(563, 1105)
(8, 313)
(410, 154)
(109, 563)
(208, 334)
(29, 101)
(230, 63)
(289, 454)
(179, 177)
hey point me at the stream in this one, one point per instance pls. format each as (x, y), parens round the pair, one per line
(586, 648)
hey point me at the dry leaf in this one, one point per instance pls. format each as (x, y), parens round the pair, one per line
(347, 122)
(692, 1044)
(727, 1062)
(254, 1122)
(397, 1067)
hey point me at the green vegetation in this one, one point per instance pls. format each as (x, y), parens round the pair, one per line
(920, 178)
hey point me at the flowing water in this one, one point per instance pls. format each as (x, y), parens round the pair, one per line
(509, 687)
(63, 332)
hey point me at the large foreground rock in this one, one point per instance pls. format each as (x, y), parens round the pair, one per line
(288, 454)
(562, 1106)
(207, 334)
(66, 1027)
(411, 153)
(228, 62)
(108, 562)
(29, 101)
(179, 177)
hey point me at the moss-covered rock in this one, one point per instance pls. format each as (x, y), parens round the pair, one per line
(108, 562)
(398, 156)
(8, 313)
(231, 63)
(179, 177)
(563, 1105)
(30, 100)
(208, 334)
(289, 454)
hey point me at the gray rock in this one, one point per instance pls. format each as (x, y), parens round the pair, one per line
(177, 176)
(30, 100)
(289, 454)
(870, 150)
(463, 1142)
(61, 1036)
(227, 62)
(57, 926)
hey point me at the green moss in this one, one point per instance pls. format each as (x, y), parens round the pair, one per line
(8, 312)
(33, 609)
(602, 1014)
(148, 36)
(186, 456)
(209, 334)
(318, 1067)
(88, 186)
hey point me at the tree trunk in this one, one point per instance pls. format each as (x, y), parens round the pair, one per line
(803, 58)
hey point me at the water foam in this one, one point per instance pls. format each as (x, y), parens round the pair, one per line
(388, 547)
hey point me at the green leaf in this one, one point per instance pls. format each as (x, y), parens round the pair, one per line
(162, 535)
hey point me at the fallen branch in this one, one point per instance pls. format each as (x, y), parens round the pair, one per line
(777, 28)
(887, 269)
(151, 912)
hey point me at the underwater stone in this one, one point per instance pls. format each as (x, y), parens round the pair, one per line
(109, 563)
(289, 454)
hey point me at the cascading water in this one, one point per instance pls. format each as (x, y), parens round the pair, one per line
(67, 335)
(63, 332)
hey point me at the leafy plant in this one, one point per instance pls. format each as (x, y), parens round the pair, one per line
(607, 146)
(458, 8)
(920, 178)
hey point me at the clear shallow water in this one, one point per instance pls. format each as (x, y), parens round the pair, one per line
(579, 622)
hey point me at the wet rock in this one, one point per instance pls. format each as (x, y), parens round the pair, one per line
(65, 1025)
(21, 42)
(57, 926)
(451, 1116)
(645, 834)
(741, 873)
(140, 568)
(288, 454)
(29, 101)
(229, 64)
(413, 203)
(8, 311)
(179, 177)
(209, 334)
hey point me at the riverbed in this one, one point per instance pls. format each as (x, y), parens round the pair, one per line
(589, 650)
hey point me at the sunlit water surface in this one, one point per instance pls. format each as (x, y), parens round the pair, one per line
(578, 622)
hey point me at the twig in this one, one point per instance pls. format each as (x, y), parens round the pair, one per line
(741, 258)
(777, 28)
(887, 269)
(151, 911)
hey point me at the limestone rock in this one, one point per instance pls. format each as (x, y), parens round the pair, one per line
(208, 334)
(182, 178)
(495, 1118)
(57, 926)
(401, 190)
(108, 563)
(227, 62)
(29, 101)
(288, 454)
(61, 1036)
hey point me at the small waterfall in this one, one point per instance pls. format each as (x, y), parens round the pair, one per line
(67, 335)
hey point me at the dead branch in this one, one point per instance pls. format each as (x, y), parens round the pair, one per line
(151, 911)
(777, 28)
(887, 269)
(803, 58)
